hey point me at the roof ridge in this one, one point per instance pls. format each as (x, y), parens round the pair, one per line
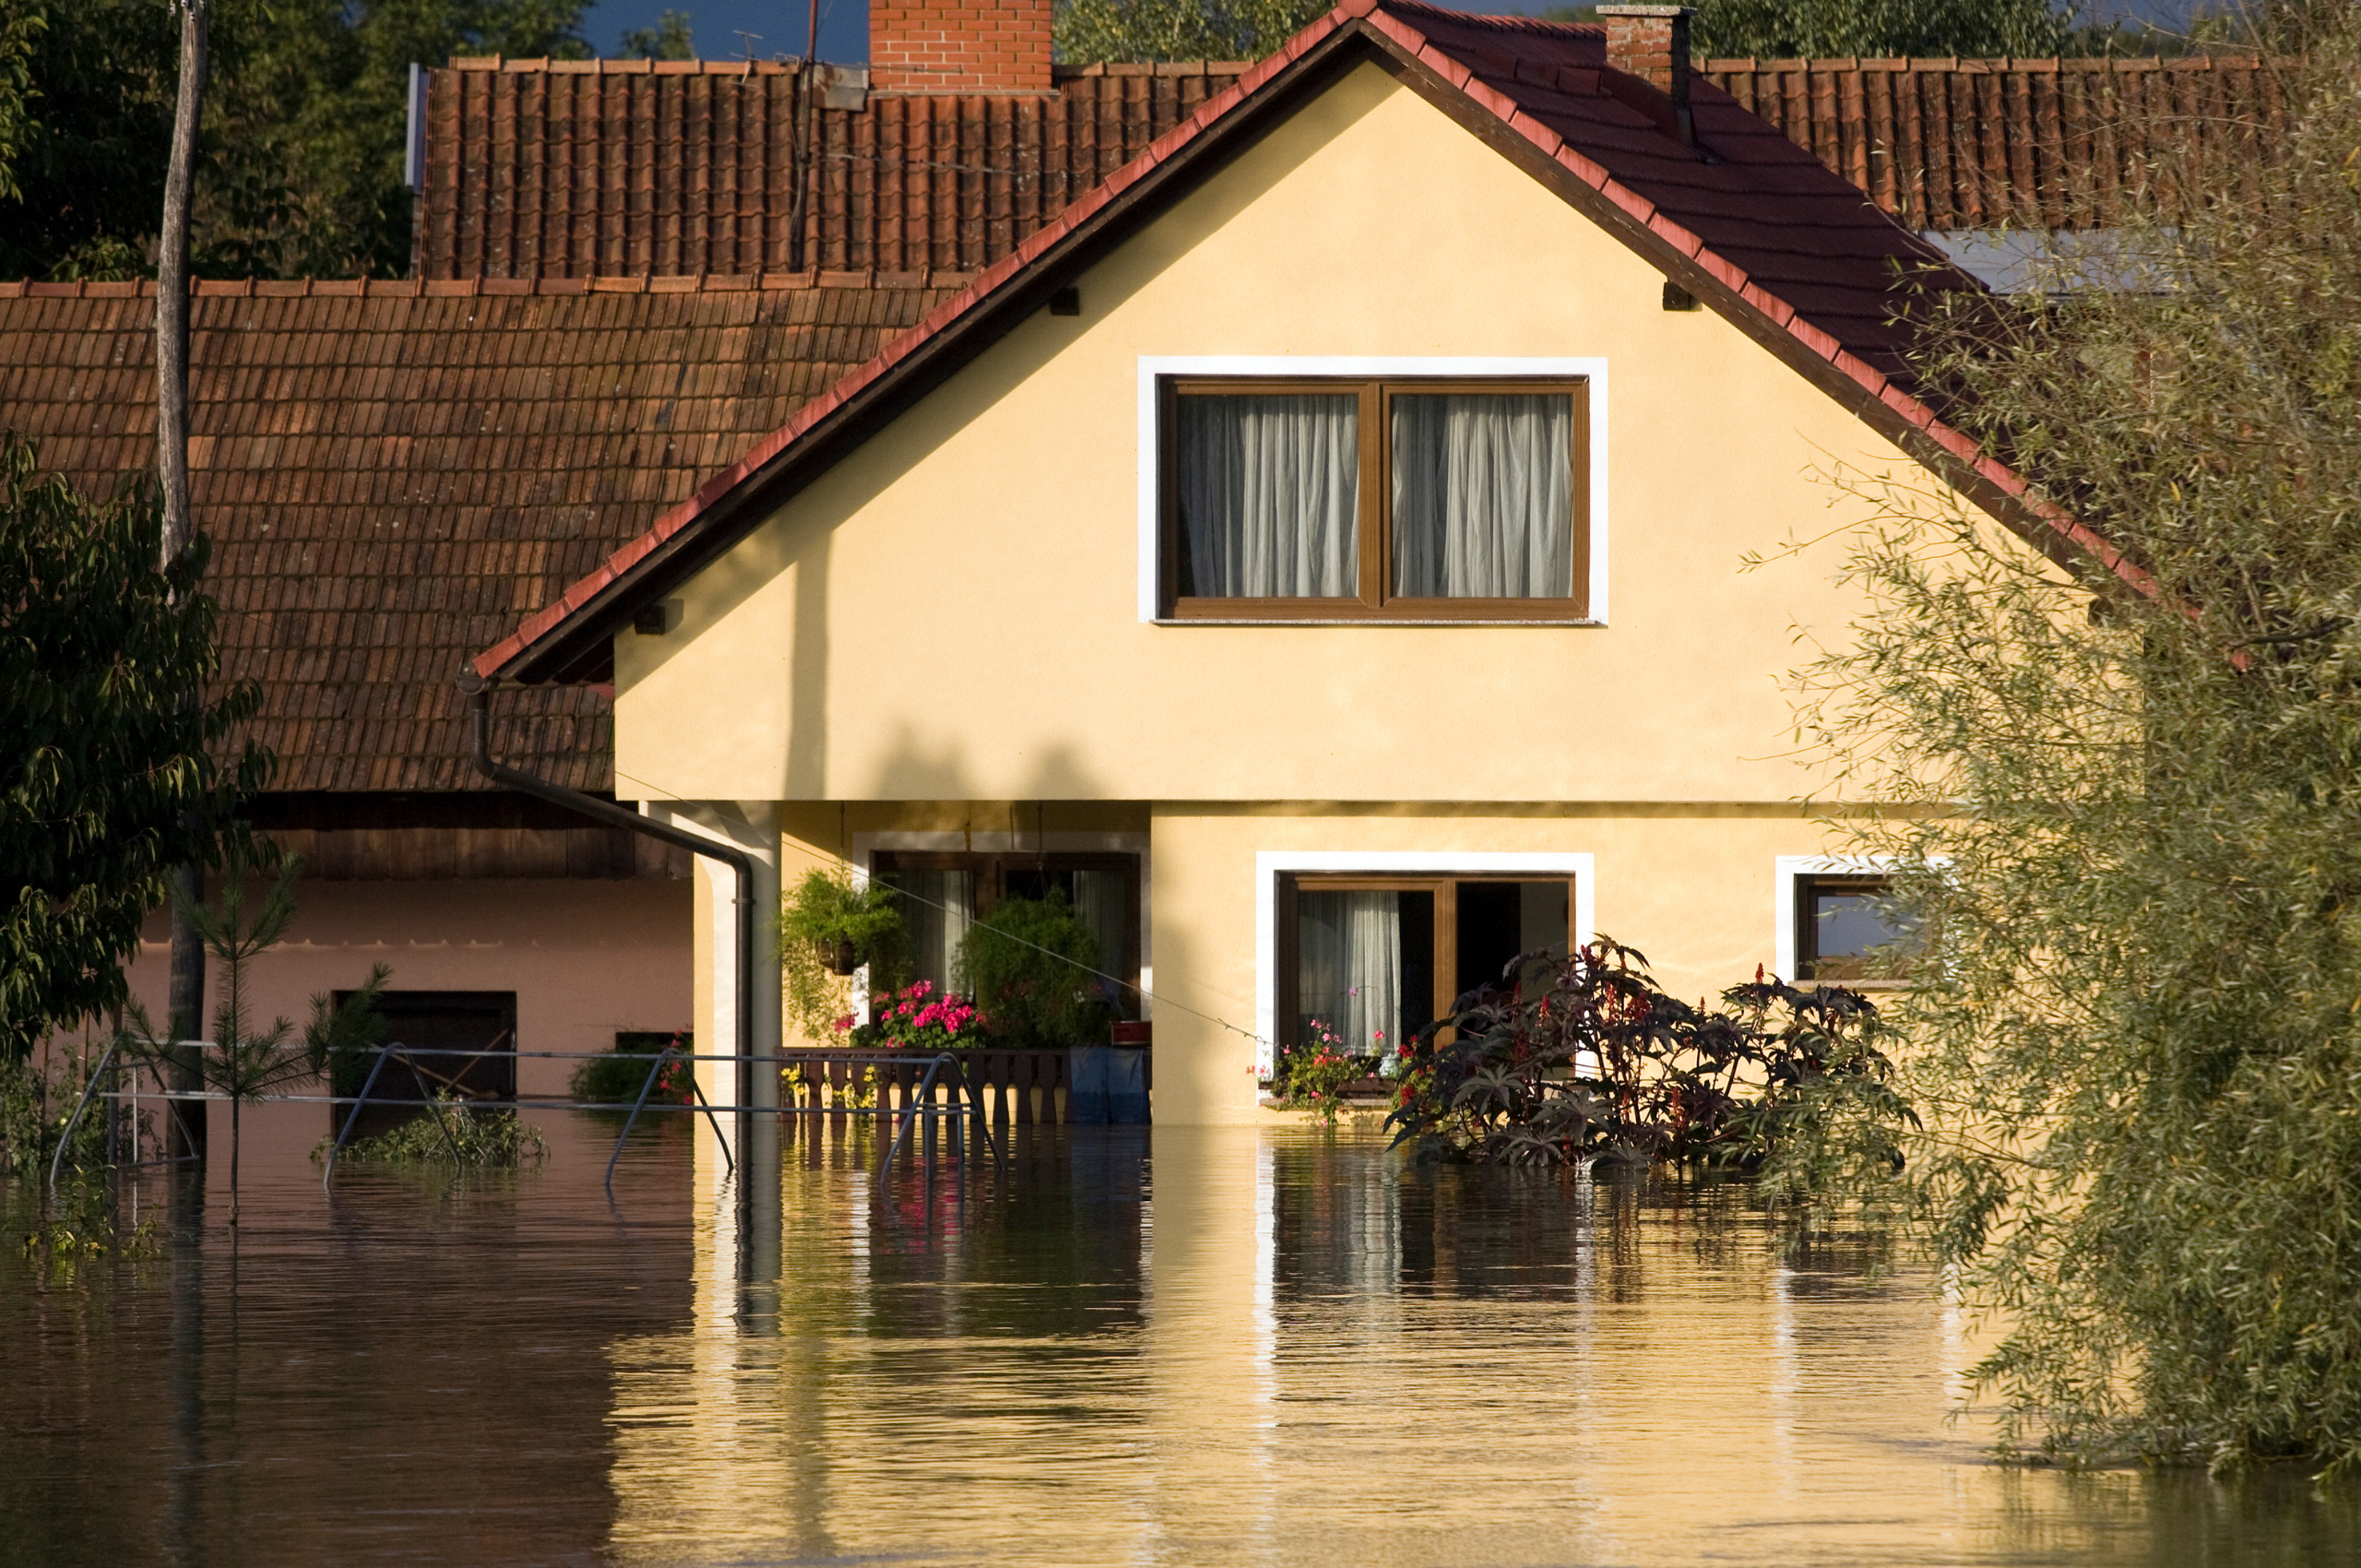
(599, 66)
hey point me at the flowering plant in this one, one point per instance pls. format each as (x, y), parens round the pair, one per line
(1313, 1075)
(917, 1018)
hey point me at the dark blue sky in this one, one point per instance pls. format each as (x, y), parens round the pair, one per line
(844, 24)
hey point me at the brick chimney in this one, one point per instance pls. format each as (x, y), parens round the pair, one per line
(1652, 42)
(959, 45)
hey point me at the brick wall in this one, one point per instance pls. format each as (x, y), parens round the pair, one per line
(959, 45)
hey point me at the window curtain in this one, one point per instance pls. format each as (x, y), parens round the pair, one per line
(1098, 900)
(1483, 495)
(937, 909)
(1269, 492)
(1350, 974)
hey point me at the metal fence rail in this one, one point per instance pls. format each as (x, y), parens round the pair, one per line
(940, 1096)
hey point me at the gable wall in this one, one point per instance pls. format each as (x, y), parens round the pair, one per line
(953, 613)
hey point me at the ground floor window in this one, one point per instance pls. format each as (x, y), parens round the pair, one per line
(945, 892)
(1847, 927)
(1379, 957)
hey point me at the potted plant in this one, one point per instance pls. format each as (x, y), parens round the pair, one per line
(829, 926)
(1032, 966)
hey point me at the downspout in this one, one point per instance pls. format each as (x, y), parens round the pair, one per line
(479, 694)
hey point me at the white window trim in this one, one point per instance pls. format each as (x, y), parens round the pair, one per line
(1787, 871)
(1269, 864)
(1591, 369)
(956, 841)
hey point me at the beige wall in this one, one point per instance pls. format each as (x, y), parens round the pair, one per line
(952, 611)
(586, 959)
(1690, 887)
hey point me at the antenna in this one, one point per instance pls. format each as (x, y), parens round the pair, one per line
(746, 42)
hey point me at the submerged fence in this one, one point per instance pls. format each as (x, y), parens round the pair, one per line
(957, 1102)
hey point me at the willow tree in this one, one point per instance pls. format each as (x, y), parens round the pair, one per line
(2130, 781)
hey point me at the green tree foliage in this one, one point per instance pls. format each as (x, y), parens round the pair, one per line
(107, 777)
(1108, 32)
(249, 1059)
(1774, 29)
(2135, 797)
(670, 39)
(1787, 29)
(300, 166)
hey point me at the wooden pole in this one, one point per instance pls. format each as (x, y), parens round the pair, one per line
(185, 1002)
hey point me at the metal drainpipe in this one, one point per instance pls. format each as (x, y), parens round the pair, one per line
(479, 694)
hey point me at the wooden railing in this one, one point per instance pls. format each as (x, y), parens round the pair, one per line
(1020, 1089)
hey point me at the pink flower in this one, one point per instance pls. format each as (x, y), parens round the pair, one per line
(843, 1024)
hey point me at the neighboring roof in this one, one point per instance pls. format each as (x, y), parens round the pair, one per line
(568, 169)
(571, 169)
(1749, 222)
(392, 473)
(1959, 145)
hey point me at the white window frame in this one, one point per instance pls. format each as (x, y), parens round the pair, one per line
(1153, 368)
(1271, 864)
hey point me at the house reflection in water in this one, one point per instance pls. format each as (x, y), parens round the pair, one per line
(1229, 1344)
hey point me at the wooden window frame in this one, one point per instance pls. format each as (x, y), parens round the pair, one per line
(1809, 887)
(1445, 887)
(1374, 601)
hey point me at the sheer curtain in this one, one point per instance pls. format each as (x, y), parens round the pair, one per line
(1483, 495)
(937, 909)
(1270, 495)
(1350, 967)
(1098, 899)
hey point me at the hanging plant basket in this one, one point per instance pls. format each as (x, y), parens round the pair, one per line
(837, 954)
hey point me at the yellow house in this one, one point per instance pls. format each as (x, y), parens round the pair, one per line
(1319, 553)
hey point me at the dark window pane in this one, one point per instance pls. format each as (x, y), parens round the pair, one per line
(1269, 489)
(1848, 925)
(1483, 495)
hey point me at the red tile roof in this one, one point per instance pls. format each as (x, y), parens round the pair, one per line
(577, 169)
(1747, 221)
(1974, 144)
(573, 168)
(392, 473)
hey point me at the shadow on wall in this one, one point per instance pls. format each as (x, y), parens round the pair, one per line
(918, 769)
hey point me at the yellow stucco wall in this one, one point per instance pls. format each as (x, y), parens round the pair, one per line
(1691, 887)
(952, 613)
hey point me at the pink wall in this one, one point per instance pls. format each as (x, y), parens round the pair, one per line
(585, 958)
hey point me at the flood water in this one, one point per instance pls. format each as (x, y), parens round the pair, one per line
(1184, 1347)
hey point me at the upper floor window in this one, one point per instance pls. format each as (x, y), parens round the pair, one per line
(1335, 498)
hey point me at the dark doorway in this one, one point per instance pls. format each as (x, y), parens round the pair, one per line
(462, 1043)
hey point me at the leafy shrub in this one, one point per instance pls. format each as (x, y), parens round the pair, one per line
(479, 1137)
(616, 1079)
(1586, 1060)
(1031, 965)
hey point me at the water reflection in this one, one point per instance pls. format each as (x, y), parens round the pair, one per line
(1195, 1347)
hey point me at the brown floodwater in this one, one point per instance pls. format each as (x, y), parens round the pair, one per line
(1180, 1347)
